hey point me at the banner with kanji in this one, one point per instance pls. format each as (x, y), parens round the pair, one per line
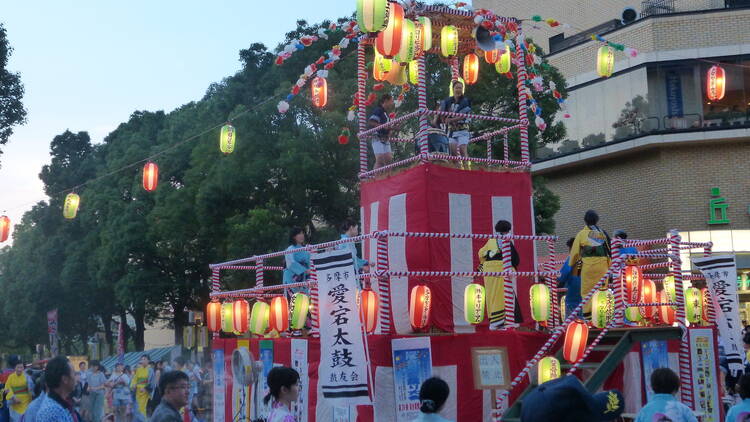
(52, 330)
(343, 368)
(720, 272)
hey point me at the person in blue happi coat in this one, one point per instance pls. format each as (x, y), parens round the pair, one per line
(570, 278)
(350, 229)
(297, 268)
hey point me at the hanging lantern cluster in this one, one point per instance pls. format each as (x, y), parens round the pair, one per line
(602, 308)
(278, 318)
(693, 305)
(605, 61)
(299, 308)
(449, 41)
(716, 81)
(420, 304)
(548, 369)
(471, 68)
(368, 310)
(648, 295)
(539, 296)
(319, 88)
(259, 318)
(388, 41)
(150, 176)
(70, 207)
(371, 15)
(576, 338)
(4, 228)
(474, 300)
(227, 139)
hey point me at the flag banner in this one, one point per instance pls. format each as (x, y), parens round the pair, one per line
(412, 365)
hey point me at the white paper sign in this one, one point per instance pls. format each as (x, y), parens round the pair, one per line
(343, 368)
(299, 363)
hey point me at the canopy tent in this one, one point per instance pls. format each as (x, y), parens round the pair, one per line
(132, 358)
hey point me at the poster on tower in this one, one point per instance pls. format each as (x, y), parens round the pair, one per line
(343, 368)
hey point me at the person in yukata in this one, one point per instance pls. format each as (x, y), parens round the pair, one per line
(297, 268)
(432, 396)
(491, 260)
(663, 406)
(283, 386)
(592, 247)
(350, 229)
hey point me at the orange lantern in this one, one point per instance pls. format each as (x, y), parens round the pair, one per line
(632, 275)
(4, 228)
(716, 81)
(150, 176)
(388, 42)
(279, 317)
(576, 337)
(648, 295)
(241, 311)
(368, 309)
(213, 316)
(492, 56)
(420, 302)
(667, 314)
(471, 68)
(319, 88)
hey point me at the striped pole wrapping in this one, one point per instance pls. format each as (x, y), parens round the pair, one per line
(552, 284)
(375, 172)
(472, 236)
(314, 298)
(371, 132)
(618, 283)
(259, 276)
(686, 378)
(652, 242)
(384, 285)
(506, 151)
(711, 310)
(454, 68)
(494, 133)
(248, 267)
(215, 288)
(517, 122)
(361, 109)
(522, 106)
(707, 250)
(489, 148)
(424, 123)
(654, 266)
(510, 273)
(510, 315)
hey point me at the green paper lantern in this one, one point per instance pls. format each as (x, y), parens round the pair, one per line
(449, 41)
(693, 305)
(70, 207)
(371, 15)
(300, 307)
(474, 299)
(227, 320)
(602, 308)
(548, 369)
(540, 302)
(259, 318)
(228, 139)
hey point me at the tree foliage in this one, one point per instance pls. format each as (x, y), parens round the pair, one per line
(143, 255)
(12, 112)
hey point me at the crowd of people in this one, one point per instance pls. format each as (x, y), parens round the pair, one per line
(122, 395)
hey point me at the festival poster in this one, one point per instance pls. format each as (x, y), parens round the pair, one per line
(654, 355)
(720, 272)
(343, 366)
(266, 360)
(299, 363)
(219, 386)
(705, 378)
(412, 365)
(241, 393)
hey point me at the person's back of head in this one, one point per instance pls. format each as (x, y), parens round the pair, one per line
(346, 225)
(57, 368)
(503, 226)
(179, 361)
(620, 234)
(432, 395)
(280, 380)
(743, 385)
(664, 381)
(591, 218)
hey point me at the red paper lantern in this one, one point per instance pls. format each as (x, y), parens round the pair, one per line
(648, 295)
(388, 42)
(150, 176)
(213, 316)
(279, 317)
(319, 88)
(420, 302)
(4, 228)
(471, 68)
(633, 276)
(716, 81)
(576, 337)
(667, 314)
(368, 309)
(241, 315)
(492, 56)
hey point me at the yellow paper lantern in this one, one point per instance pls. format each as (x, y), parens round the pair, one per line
(425, 26)
(70, 207)
(408, 50)
(605, 61)
(227, 317)
(474, 298)
(563, 309)
(669, 288)
(602, 308)
(449, 41)
(188, 337)
(228, 139)
(471, 68)
(693, 305)
(383, 64)
(397, 75)
(202, 337)
(502, 65)
(548, 369)
(414, 72)
(539, 296)
(371, 15)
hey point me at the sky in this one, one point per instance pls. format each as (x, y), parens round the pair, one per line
(87, 65)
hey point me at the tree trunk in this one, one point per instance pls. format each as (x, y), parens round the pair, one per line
(108, 335)
(140, 328)
(179, 320)
(125, 330)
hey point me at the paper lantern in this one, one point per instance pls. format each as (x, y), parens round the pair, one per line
(648, 295)
(409, 47)
(669, 288)
(562, 309)
(259, 318)
(202, 337)
(471, 68)
(716, 81)
(227, 317)
(70, 207)
(449, 41)
(632, 276)
(705, 305)
(492, 56)
(420, 302)
(397, 75)
(213, 316)
(319, 88)
(474, 298)
(228, 138)
(4, 228)
(150, 176)
(605, 61)
(240, 315)
(548, 369)
(388, 42)
(188, 336)
(414, 72)
(383, 64)
(576, 337)
(425, 36)
(540, 302)
(633, 314)
(371, 15)
(602, 308)
(279, 315)
(502, 65)
(368, 310)
(377, 71)
(693, 305)
(299, 308)
(667, 313)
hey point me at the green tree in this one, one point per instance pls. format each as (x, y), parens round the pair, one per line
(12, 112)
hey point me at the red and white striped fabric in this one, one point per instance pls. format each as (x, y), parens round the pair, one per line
(241, 315)
(278, 318)
(576, 339)
(433, 198)
(388, 42)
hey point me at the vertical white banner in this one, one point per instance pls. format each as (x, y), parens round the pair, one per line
(720, 272)
(299, 363)
(705, 378)
(342, 371)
